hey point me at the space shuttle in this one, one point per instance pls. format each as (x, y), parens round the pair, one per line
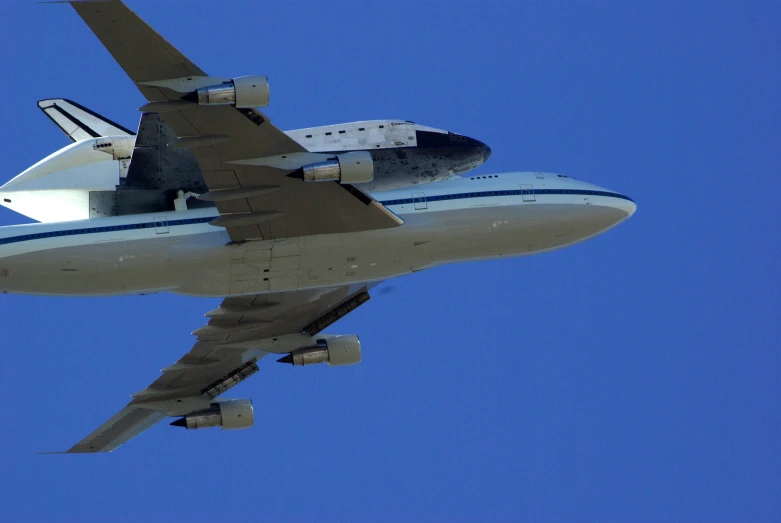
(109, 170)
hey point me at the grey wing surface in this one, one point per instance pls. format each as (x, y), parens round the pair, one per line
(124, 426)
(241, 331)
(256, 200)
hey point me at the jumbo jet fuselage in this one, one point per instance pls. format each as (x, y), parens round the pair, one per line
(455, 220)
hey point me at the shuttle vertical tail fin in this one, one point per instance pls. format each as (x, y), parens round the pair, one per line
(78, 122)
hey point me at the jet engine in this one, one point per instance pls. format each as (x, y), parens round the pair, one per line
(228, 414)
(353, 167)
(244, 92)
(334, 350)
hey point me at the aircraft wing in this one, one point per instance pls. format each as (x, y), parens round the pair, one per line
(241, 331)
(255, 201)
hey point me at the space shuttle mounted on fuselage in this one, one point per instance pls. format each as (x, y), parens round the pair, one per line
(111, 171)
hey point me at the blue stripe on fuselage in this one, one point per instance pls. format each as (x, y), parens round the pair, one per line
(512, 192)
(109, 228)
(402, 201)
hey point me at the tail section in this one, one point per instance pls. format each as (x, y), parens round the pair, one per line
(78, 122)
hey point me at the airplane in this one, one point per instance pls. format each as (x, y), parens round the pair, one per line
(291, 246)
(110, 170)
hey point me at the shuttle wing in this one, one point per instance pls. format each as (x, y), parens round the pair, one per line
(241, 331)
(255, 201)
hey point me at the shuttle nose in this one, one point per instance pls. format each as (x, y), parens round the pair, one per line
(478, 147)
(453, 142)
(444, 153)
(486, 153)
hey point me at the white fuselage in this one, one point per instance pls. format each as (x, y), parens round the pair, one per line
(460, 219)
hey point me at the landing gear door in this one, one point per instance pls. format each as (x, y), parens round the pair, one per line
(419, 199)
(527, 191)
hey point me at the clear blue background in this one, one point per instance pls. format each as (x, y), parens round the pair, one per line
(631, 377)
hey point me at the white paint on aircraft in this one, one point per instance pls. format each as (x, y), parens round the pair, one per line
(461, 219)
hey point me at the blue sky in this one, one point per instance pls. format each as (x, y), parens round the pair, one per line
(631, 377)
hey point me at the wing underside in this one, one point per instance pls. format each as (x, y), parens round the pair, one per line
(240, 332)
(255, 200)
(123, 426)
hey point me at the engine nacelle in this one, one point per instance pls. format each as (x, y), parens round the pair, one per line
(334, 350)
(244, 92)
(228, 414)
(353, 167)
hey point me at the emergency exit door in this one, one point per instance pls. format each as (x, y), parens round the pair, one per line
(419, 199)
(161, 225)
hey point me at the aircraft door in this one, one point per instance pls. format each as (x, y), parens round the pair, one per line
(527, 191)
(161, 224)
(419, 199)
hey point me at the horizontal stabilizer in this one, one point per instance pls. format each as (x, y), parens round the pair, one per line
(78, 122)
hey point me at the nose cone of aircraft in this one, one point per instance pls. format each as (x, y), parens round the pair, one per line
(603, 197)
(625, 204)
(600, 209)
(630, 207)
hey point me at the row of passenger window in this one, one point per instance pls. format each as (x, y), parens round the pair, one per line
(498, 193)
(93, 230)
